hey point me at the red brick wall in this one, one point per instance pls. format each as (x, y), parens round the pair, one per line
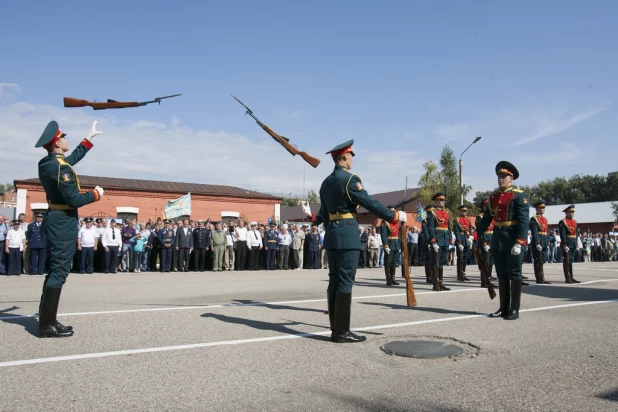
(151, 205)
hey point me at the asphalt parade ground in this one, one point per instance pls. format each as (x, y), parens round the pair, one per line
(259, 341)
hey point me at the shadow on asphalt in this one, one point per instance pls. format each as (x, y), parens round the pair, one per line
(571, 292)
(379, 404)
(611, 395)
(420, 309)
(30, 324)
(275, 327)
(249, 302)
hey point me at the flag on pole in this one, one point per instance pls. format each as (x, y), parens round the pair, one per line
(421, 214)
(178, 207)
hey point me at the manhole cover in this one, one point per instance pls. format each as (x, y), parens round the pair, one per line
(422, 349)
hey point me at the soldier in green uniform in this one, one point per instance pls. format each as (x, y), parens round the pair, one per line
(510, 212)
(484, 239)
(440, 233)
(428, 255)
(341, 194)
(568, 235)
(389, 233)
(62, 189)
(538, 231)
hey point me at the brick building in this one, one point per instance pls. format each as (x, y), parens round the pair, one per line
(143, 199)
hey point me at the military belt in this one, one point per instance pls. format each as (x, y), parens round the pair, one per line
(272, 241)
(507, 223)
(571, 236)
(442, 228)
(489, 232)
(542, 233)
(54, 206)
(393, 237)
(337, 216)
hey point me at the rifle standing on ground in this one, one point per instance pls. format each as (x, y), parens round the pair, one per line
(405, 266)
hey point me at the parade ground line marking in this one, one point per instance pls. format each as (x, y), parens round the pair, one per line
(226, 305)
(269, 338)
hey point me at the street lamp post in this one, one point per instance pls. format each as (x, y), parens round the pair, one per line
(461, 186)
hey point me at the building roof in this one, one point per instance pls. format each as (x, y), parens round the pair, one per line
(597, 212)
(295, 213)
(161, 187)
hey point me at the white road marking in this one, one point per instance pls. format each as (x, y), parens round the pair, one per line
(225, 305)
(266, 339)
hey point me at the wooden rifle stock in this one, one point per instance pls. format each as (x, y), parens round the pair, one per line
(294, 151)
(436, 271)
(405, 267)
(387, 267)
(484, 272)
(565, 266)
(72, 102)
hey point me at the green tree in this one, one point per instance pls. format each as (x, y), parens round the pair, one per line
(290, 201)
(6, 187)
(312, 196)
(615, 210)
(444, 178)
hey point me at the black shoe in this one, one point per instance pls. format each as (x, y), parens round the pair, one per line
(574, 281)
(442, 287)
(349, 337)
(428, 281)
(54, 332)
(512, 315)
(496, 314)
(504, 290)
(60, 326)
(394, 282)
(546, 282)
(524, 277)
(525, 283)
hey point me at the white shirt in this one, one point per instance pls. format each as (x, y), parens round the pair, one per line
(15, 238)
(108, 239)
(241, 233)
(229, 239)
(557, 240)
(254, 238)
(87, 236)
(373, 241)
(101, 231)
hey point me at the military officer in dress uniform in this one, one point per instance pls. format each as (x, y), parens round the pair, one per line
(510, 212)
(538, 231)
(341, 194)
(568, 235)
(313, 247)
(389, 233)
(62, 189)
(463, 229)
(428, 256)
(167, 242)
(270, 245)
(440, 233)
(484, 240)
(37, 243)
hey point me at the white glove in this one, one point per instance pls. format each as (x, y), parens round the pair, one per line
(539, 248)
(306, 208)
(387, 250)
(435, 247)
(402, 217)
(470, 241)
(486, 248)
(516, 249)
(93, 131)
(429, 247)
(460, 247)
(566, 249)
(100, 190)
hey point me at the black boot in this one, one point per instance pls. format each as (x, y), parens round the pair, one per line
(537, 274)
(515, 300)
(387, 273)
(571, 270)
(427, 275)
(342, 333)
(440, 276)
(330, 298)
(393, 281)
(49, 327)
(505, 296)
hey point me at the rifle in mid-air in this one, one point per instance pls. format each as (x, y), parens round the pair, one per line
(110, 104)
(283, 141)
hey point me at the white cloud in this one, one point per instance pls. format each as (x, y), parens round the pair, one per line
(166, 150)
(452, 132)
(551, 124)
(7, 88)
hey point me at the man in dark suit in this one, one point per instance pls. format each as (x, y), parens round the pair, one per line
(37, 243)
(184, 245)
(201, 242)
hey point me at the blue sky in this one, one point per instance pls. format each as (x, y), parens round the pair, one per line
(403, 78)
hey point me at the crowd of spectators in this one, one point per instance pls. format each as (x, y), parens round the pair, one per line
(109, 246)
